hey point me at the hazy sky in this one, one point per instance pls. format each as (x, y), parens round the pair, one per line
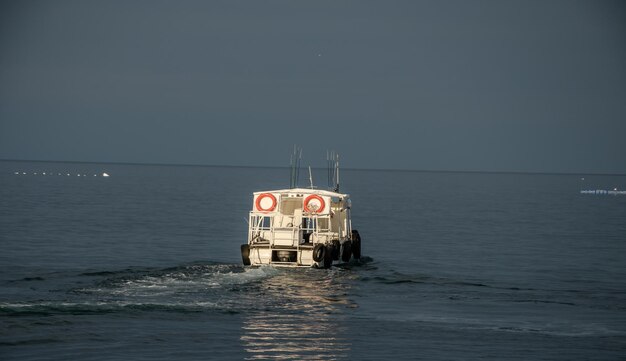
(440, 85)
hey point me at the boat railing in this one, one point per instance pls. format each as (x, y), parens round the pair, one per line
(265, 228)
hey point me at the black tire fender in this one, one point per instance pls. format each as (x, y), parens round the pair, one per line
(336, 250)
(346, 251)
(328, 257)
(245, 254)
(319, 251)
(356, 244)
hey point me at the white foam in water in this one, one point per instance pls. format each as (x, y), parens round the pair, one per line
(249, 275)
(189, 280)
(65, 306)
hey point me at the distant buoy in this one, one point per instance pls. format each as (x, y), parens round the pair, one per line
(104, 174)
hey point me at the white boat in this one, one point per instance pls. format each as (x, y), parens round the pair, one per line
(301, 227)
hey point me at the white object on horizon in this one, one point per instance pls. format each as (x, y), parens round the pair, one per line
(105, 175)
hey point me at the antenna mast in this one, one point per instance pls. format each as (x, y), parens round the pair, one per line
(332, 161)
(328, 181)
(337, 173)
(310, 177)
(296, 158)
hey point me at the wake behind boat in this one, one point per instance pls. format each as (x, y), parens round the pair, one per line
(301, 227)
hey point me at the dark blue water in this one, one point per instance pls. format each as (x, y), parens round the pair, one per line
(145, 264)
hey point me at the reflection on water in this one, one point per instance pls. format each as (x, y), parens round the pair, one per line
(303, 319)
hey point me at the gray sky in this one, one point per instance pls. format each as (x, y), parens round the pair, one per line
(438, 85)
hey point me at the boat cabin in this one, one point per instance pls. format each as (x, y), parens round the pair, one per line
(299, 227)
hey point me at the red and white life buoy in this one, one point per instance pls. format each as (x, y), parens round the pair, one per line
(265, 202)
(314, 204)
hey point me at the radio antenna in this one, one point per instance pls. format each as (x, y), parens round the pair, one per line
(332, 163)
(328, 169)
(311, 177)
(296, 158)
(337, 174)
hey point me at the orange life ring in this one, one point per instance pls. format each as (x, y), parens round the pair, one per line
(309, 199)
(262, 196)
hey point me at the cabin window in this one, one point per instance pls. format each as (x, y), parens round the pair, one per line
(315, 224)
(262, 222)
(309, 224)
(323, 224)
(266, 223)
(289, 205)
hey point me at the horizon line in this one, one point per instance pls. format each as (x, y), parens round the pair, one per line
(346, 168)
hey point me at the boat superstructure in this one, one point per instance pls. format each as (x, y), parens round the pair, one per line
(300, 227)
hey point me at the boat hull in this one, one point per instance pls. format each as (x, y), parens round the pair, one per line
(283, 256)
(317, 256)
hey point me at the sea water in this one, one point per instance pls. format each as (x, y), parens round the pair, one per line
(145, 265)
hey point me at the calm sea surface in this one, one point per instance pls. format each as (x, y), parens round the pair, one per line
(145, 265)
